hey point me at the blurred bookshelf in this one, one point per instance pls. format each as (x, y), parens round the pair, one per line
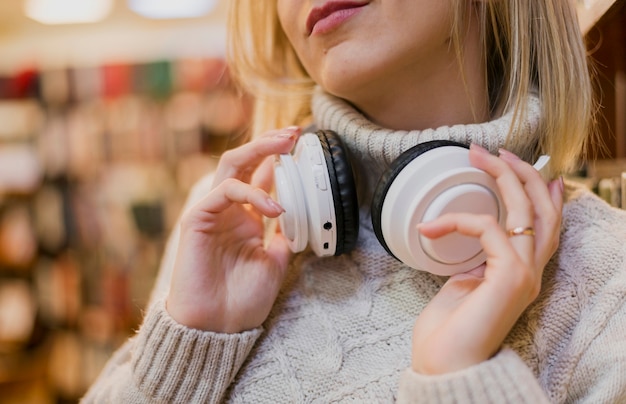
(95, 164)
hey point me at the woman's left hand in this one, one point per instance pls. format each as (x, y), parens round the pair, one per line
(468, 320)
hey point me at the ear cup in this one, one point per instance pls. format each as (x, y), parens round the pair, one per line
(387, 179)
(315, 185)
(425, 182)
(343, 189)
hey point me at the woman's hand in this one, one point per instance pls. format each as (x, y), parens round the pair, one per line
(468, 320)
(226, 277)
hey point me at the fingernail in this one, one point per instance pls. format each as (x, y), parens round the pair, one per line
(286, 135)
(289, 132)
(507, 154)
(274, 205)
(478, 148)
(561, 184)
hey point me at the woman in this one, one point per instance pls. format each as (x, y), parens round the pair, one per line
(237, 317)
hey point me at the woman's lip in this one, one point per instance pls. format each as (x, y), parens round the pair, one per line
(322, 19)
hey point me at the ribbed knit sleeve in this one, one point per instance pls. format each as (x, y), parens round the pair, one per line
(503, 379)
(174, 363)
(170, 363)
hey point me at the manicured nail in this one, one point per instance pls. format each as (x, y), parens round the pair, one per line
(507, 154)
(288, 133)
(274, 205)
(478, 148)
(285, 135)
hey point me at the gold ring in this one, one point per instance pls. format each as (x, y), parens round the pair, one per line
(521, 231)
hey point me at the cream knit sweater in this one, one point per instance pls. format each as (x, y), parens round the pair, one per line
(340, 330)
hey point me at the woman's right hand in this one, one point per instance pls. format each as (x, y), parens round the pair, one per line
(226, 277)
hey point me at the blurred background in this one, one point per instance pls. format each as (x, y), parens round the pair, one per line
(109, 111)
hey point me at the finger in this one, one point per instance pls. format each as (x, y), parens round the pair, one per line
(533, 183)
(547, 202)
(242, 161)
(505, 263)
(502, 255)
(492, 237)
(556, 189)
(232, 191)
(520, 211)
(263, 177)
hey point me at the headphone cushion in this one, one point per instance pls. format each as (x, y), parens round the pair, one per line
(343, 190)
(390, 175)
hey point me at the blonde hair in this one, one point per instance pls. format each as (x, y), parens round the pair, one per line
(263, 62)
(529, 47)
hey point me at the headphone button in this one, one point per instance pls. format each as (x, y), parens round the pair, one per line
(315, 157)
(319, 178)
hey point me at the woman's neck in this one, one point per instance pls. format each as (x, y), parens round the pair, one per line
(438, 101)
(447, 90)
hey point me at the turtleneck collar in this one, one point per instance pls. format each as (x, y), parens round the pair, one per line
(374, 147)
(379, 144)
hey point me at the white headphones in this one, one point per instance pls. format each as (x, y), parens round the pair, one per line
(315, 185)
(316, 188)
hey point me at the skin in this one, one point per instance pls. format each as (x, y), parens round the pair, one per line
(224, 279)
(484, 304)
(227, 276)
(413, 82)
